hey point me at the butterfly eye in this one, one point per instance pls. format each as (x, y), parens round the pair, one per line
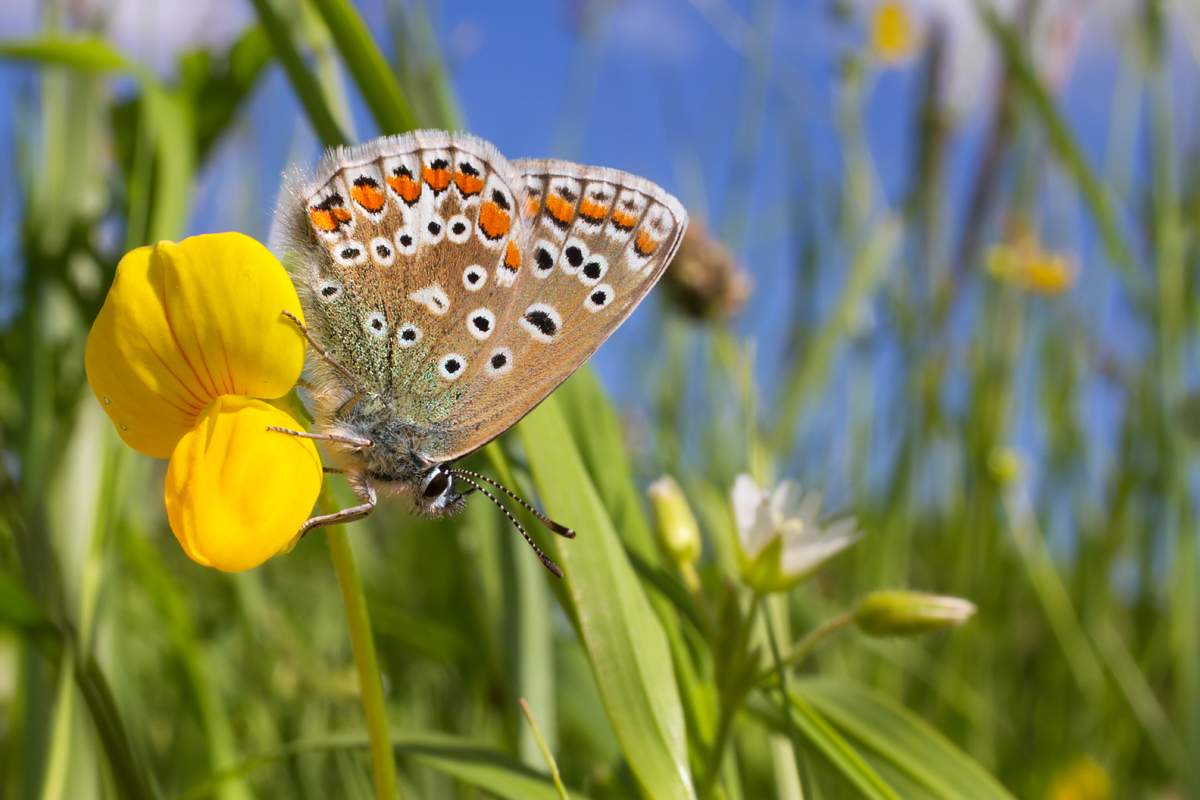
(438, 484)
(451, 366)
(409, 335)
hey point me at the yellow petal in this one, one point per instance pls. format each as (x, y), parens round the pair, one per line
(236, 492)
(185, 323)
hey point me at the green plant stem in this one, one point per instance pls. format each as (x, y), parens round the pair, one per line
(541, 742)
(810, 641)
(382, 760)
(368, 66)
(730, 703)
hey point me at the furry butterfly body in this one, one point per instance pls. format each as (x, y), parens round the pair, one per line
(448, 291)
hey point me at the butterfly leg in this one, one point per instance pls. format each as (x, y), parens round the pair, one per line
(324, 437)
(365, 490)
(333, 362)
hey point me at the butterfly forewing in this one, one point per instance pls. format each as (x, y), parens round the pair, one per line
(464, 288)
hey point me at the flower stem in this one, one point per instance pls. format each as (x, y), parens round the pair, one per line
(370, 685)
(810, 641)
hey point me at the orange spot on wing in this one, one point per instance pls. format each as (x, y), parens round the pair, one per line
(322, 219)
(493, 220)
(623, 220)
(512, 257)
(438, 179)
(468, 184)
(531, 206)
(368, 196)
(593, 212)
(560, 209)
(645, 244)
(403, 185)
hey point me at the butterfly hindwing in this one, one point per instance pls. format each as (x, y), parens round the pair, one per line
(595, 242)
(464, 288)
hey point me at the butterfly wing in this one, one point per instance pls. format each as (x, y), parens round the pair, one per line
(401, 244)
(465, 288)
(595, 242)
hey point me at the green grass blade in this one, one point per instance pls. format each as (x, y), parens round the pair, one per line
(308, 90)
(624, 640)
(816, 736)
(370, 70)
(475, 765)
(1066, 147)
(81, 52)
(891, 732)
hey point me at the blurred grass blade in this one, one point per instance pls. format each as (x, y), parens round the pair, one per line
(878, 725)
(625, 643)
(1066, 146)
(816, 736)
(370, 69)
(476, 765)
(308, 90)
(170, 120)
(81, 52)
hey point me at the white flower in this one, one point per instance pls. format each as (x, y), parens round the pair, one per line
(780, 542)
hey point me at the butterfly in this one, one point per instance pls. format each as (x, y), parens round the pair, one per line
(447, 291)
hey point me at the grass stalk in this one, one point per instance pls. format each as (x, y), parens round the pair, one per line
(541, 743)
(370, 684)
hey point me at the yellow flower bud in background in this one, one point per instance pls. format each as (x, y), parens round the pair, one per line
(904, 613)
(678, 533)
(1004, 465)
(1082, 779)
(892, 32)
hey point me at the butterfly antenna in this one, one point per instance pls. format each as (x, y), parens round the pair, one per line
(550, 565)
(561, 530)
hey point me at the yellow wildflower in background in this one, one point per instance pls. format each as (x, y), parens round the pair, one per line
(893, 38)
(191, 335)
(1082, 779)
(1025, 264)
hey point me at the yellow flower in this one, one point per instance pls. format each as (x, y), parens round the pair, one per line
(1024, 264)
(892, 33)
(1082, 779)
(188, 335)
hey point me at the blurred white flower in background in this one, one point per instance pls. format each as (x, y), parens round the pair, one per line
(898, 31)
(779, 540)
(154, 32)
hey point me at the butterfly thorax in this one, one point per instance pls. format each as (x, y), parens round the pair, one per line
(394, 462)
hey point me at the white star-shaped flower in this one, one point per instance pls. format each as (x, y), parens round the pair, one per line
(780, 542)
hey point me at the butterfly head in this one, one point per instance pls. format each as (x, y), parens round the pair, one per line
(393, 462)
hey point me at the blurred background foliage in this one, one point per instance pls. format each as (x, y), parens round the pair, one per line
(941, 268)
